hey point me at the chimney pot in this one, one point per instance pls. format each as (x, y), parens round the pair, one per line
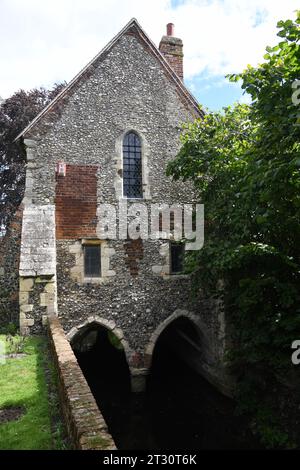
(170, 29)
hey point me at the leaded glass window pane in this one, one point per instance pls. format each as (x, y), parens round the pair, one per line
(92, 261)
(132, 166)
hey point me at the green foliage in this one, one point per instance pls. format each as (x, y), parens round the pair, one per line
(23, 384)
(59, 435)
(265, 422)
(244, 162)
(114, 340)
(9, 329)
(15, 344)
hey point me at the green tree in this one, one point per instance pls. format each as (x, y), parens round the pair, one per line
(16, 113)
(244, 163)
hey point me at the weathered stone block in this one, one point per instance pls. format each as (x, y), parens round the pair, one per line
(26, 308)
(157, 269)
(23, 298)
(26, 284)
(38, 235)
(72, 333)
(138, 380)
(118, 332)
(50, 288)
(46, 299)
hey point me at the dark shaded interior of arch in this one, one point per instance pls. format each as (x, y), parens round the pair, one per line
(132, 166)
(183, 411)
(180, 339)
(104, 365)
(180, 410)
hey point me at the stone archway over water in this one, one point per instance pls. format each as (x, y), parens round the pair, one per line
(101, 352)
(109, 325)
(194, 321)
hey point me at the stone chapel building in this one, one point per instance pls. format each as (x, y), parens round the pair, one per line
(108, 137)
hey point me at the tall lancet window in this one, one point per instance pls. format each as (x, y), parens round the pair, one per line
(132, 166)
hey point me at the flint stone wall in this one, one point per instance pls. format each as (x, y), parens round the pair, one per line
(126, 90)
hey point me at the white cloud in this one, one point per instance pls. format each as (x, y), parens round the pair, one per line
(224, 36)
(51, 40)
(245, 99)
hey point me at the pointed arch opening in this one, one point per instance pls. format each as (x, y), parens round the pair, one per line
(186, 410)
(178, 342)
(101, 354)
(132, 166)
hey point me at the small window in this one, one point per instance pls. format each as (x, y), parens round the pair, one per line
(177, 257)
(132, 166)
(92, 261)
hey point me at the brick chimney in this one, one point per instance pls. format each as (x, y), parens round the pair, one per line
(171, 49)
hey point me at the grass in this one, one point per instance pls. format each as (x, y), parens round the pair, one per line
(23, 383)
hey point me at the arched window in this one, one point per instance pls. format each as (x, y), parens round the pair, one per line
(132, 166)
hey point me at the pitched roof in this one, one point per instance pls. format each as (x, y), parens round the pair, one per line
(133, 25)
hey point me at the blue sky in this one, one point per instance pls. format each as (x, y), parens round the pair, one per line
(48, 41)
(216, 93)
(176, 3)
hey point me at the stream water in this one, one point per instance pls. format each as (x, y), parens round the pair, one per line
(179, 410)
